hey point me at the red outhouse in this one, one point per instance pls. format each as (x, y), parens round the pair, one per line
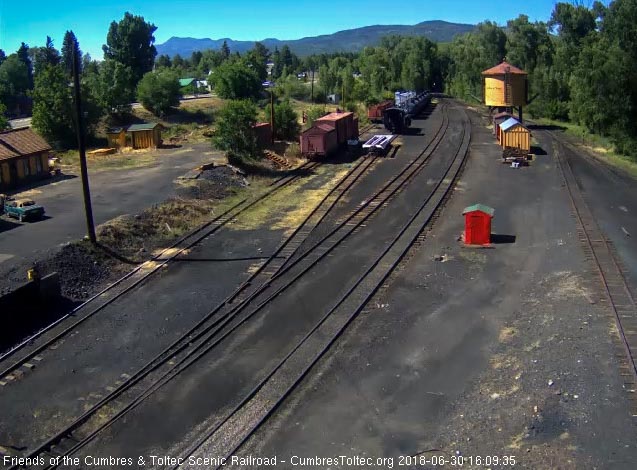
(477, 224)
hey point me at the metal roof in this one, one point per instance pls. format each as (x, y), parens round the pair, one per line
(479, 207)
(334, 116)
(185, 81)
(319, 128)
(509, 123)
(21, 142)
(503, 68)
(147, 126)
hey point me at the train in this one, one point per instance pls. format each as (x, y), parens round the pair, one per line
(407, 105)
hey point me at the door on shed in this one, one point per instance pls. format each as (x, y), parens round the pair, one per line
(474, 225)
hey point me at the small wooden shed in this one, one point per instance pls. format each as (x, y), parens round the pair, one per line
(263, 132)
(144, 136)
(477, 224)
(24, 156)
(498, 119)
(514, 134)
(116, 137)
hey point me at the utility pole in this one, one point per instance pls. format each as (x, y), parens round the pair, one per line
(90, 225)
(312, 93)
(272, 113)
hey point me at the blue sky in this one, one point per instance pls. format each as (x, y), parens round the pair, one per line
(239, 19)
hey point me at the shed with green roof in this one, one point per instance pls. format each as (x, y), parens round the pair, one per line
(145, 135)
(477, 224)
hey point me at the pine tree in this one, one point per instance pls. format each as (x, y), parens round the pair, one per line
(69, 44)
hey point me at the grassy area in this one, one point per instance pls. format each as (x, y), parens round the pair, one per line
(191, 122)
(600, 146)
(288, 207)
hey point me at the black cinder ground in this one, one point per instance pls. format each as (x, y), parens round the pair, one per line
(492, 352)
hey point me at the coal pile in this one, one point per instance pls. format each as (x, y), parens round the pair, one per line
(80, 268)
(215, 183)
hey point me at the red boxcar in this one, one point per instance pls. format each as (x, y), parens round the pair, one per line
(375, 111)
(343, 123)
(318, 141)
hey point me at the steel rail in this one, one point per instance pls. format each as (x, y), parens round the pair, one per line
(604, 260)
(441, 189)
(185, 341)
(218, 222)
(67, 433)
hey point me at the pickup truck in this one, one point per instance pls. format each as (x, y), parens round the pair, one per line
(21, 209)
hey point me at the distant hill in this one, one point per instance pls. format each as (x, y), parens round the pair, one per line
(351, 40)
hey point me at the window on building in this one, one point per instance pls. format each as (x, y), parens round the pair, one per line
(27, 169)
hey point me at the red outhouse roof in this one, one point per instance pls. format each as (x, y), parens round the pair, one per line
(502, 114)
(479, 208)
(261, 124)
(503, 68)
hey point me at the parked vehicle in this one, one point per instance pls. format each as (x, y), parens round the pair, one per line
(21, 209)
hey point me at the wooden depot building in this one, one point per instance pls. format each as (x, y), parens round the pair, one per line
(24, 157)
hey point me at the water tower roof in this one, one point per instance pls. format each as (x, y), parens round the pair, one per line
(503, 68)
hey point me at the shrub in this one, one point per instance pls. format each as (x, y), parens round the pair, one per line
(159, 91)
(286, 121)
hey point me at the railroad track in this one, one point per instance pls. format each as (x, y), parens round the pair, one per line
(132, 279)
(232, 433)
(196, 342)
(616, 290)
(71, 437)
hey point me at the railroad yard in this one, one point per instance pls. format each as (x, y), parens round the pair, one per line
(358, 324)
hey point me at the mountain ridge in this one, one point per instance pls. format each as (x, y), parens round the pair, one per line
(349, 40)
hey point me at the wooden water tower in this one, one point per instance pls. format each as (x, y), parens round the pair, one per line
(505, 87)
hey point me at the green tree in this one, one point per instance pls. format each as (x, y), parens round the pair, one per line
(163, 61)
(69, 44)
(209, 61)
(3, 56)
(257, 57)
(313, 113)
(234, 130)
(14, 81)
(53, 110)
(195, 58)
(115, 91)
(159, 91)
(286, 121)
(233, 79)
(178, 62)
(225, 51)
(4, 122)
(43, 56)
(130, 42)
(24, 57)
